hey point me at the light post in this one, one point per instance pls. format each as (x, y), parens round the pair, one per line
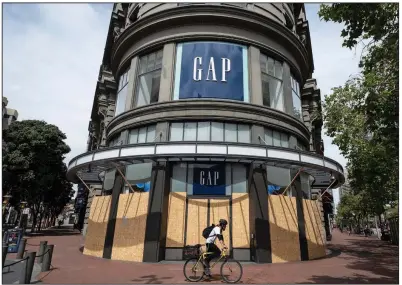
(6, 199)
(22, 207)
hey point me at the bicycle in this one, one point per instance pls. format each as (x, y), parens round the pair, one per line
(194, 265)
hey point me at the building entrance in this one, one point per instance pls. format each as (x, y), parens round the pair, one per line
(204, 212)
(201, 194)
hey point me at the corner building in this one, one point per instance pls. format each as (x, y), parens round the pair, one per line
(202, 112)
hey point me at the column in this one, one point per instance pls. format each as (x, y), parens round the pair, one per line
(168, 63)
(255, 76)
(287, 89)
(117, 186)
(301, 223)
(259, 220)
(156, 227)
(132, 84)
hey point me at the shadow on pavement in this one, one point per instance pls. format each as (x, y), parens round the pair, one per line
(373, 256)
(357, 279)
(151, 279)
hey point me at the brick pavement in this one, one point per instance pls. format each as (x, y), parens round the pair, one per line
(354, 259)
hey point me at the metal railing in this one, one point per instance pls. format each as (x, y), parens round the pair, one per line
(44, 257)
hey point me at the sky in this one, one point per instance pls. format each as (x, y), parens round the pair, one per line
(52, 54)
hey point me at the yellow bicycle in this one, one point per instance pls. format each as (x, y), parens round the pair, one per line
(194, 269)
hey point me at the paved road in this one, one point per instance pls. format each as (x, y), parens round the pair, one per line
(354, 259)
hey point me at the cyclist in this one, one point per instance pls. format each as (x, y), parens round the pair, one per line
(210, 244)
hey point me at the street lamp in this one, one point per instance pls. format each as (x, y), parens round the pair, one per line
(22, 207)
(6, 199)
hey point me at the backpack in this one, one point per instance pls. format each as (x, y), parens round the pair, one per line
(207, 231)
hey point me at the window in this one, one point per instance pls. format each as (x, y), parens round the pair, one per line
(301, 146)
(217, 132)
(297, 108)
(210, 131)
(139, 177)
(230, 132)
(142, 135)
(121, 94)
(190, 131)
(149, 79)
(272, 84)
(203, 131)
(108, 180)
(115, 141)
(278, 179)
(176, 132)
(276, 138)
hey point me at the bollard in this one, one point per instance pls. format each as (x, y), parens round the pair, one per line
(47, 259)
(21, 248)
(30, 265)
(5, 250)
(42, 248)
(23, 273)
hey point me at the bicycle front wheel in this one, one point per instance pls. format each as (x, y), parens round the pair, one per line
(193, 270)
(231, 271)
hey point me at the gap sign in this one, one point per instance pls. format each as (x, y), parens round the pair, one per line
(209, 180)
(211, 70)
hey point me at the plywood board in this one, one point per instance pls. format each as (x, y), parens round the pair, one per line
(131, 221)
(314, 229)
(176, 219)
(220, 209)
(97, 225)
(241, 220)
(196, 221)
(284, 229)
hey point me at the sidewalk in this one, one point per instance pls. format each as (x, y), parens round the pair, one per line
(354, 259)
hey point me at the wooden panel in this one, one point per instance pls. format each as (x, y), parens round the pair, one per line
(314, 229)
(241, 220)
(220, 209)
(97, 224)
(176, 219)
(196, 221)
(284, 229)
(131, 220)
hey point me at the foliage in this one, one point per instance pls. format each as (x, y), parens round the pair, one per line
(362, 116)
(34, 169)
(349, 207)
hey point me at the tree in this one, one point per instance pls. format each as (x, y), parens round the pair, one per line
(362, 116)
(33, 165)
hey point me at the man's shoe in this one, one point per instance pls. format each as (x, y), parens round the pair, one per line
(207, 271)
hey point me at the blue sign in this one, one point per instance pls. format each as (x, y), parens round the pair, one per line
(211, 70)
(209, 180)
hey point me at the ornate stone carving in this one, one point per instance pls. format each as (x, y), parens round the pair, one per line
(311, 107)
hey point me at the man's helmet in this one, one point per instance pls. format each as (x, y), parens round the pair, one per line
(223, 222)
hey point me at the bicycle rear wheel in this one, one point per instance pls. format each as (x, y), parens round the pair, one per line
(231, 271)
(193, 270)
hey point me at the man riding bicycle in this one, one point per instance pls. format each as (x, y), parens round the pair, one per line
(210, 244)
